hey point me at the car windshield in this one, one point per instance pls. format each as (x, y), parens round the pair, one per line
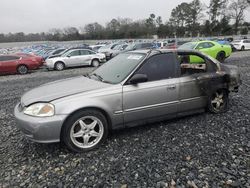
(118, 68)
(188, 46)
(237, 41)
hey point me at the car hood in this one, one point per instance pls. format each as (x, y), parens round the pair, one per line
(61, 88)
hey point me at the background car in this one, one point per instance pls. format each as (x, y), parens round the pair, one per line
(161, 44)
(74, 58)
(107, 50)
(18, 63)
(118, 49)
(214, 49)
(241, 44)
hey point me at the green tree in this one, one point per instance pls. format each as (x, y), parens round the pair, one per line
(237, 10)
(194, 14)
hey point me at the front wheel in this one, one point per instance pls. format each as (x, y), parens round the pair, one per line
(218, 102)
(85, 130)
(59, 66)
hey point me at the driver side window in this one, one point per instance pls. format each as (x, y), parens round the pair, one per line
(159, 67)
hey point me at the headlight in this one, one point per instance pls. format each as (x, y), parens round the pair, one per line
(40, 110)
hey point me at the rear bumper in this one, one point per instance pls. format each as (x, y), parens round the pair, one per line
(41, 130)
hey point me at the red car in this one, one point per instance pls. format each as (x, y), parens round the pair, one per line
(19, 63)
(38, 58)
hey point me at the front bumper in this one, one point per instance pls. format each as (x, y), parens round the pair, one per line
(49, 65)
(39, 129)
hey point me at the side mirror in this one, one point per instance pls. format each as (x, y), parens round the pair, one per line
(68, 56)
(138, 78)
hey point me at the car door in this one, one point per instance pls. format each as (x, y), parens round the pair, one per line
(247, 44)
(193, 85)
(73, 58)
(8, 63)
(156, 98)
(87, 56)
(205, 47)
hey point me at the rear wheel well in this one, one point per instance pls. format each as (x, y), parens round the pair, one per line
(222, 52)
(89, 108)
(22, 65)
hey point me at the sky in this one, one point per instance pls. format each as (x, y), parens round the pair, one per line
(32, 16)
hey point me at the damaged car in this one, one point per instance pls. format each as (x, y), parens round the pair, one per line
(133, 88)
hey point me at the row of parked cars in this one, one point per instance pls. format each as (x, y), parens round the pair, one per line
(59, 58)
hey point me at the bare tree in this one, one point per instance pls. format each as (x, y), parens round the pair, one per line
(237, 9)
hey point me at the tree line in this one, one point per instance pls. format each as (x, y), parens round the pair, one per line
(219, 18)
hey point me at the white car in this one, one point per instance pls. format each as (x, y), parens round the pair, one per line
(75, 58)
(107, 50)
(241, 44)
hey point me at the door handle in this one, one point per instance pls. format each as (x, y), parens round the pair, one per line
(171, 87)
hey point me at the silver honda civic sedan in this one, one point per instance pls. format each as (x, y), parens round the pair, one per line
(134, 88)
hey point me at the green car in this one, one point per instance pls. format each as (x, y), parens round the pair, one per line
(211, 48)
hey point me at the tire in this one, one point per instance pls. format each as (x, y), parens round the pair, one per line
(59, 66)
(95, 63)
(84, 131)
(22, 69)
(242, 48)
(221, 56)
(218, 101)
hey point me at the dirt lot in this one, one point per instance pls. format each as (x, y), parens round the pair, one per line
(204, 150)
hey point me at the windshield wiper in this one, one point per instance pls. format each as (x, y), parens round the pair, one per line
(100, 78)
(97, 76)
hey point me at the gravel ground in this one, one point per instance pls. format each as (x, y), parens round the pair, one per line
(204, 150)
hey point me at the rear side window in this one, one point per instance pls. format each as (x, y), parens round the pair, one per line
(8, 58)
(84, 52)
(205, 45)
(91, 52)
(159, 67)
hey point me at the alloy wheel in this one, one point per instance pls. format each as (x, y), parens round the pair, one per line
(59, 66)
(218, 100)
(22, 69)
(87, 132)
